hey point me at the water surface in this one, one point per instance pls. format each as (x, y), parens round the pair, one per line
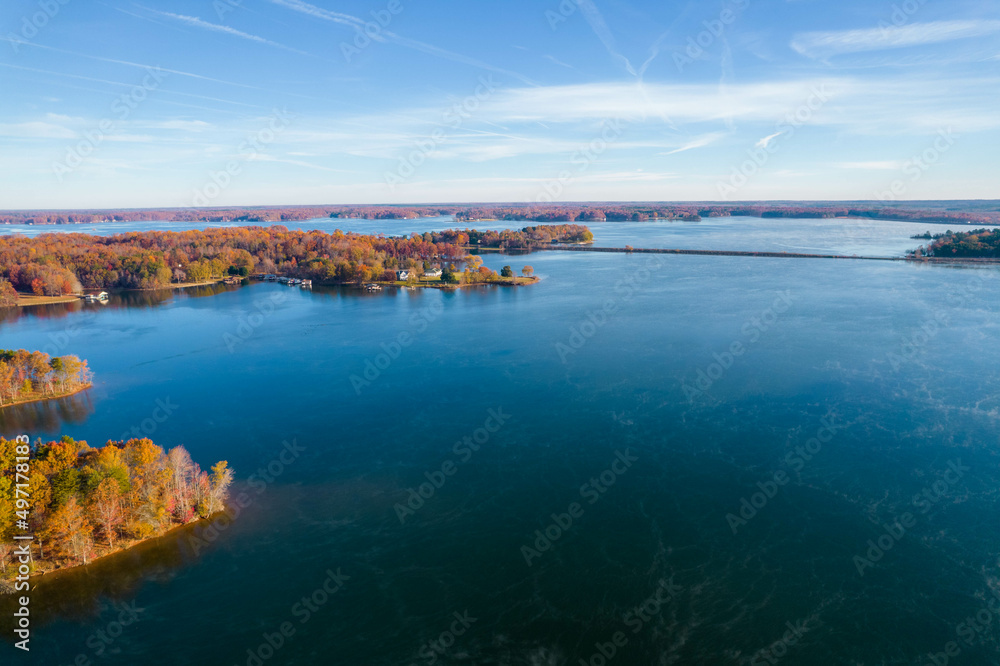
(894, 365)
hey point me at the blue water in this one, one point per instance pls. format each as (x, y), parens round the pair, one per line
(389, 227)
(610, 357)
(809, 236)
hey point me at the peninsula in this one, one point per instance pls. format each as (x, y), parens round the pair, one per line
(60, 264)
(83, 503)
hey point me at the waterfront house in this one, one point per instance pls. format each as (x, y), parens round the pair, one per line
(402, 275)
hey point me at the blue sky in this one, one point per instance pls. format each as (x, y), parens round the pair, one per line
(251, 102)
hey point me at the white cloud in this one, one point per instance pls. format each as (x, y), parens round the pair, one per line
(682, 103)
(830, 43)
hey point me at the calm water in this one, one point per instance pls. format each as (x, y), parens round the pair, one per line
(893, 366)
(394, 227)
(832, 236)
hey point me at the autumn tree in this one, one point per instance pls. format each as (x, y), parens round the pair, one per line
(8, 388)
(8, 295)
(183, 479)
(148, 478)
(107, 507)
(69, 532)
(41, 371)
(221, 479)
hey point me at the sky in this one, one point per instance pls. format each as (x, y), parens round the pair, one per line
(194, 103)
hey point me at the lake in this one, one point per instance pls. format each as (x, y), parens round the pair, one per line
(639, 460)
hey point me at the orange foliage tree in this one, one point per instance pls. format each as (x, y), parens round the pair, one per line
(125, 489)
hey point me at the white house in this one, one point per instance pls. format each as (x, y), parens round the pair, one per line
(402, 275)
(433, 273)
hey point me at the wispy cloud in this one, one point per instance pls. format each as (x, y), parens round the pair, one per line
(766, 141)
(831, 43)
(600, 28)
(697, 142)
(557, 61)
(138, 65)
(198, 23)
(883, 106)
(388, 36)
(325, 14)
(121, 84)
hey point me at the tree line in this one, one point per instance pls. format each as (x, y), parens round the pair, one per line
(28, 375)
(974, 212)
(83, 501)
(155, 259)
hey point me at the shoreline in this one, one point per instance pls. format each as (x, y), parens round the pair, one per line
(48, 397)
(527, 282)
(28, 300)
(131, 544)
(181, 285)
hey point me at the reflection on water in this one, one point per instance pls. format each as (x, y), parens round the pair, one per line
(77, 593)
(46, 415)
(48, 311)
(150, 298)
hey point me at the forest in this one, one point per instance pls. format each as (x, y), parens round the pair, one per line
(509, 239)
(980, 243)
(86, 502)
(959, 212)
(56, 264)
(26, 376)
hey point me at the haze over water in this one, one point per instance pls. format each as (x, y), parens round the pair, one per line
(894, 365)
